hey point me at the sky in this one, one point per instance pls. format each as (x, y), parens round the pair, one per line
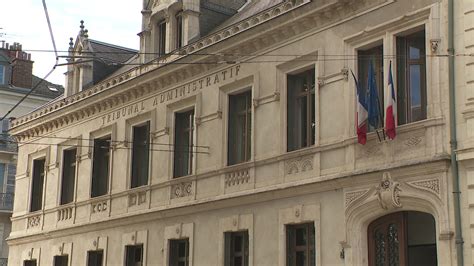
(24, 21)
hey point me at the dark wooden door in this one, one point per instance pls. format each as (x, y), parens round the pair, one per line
(387, 240)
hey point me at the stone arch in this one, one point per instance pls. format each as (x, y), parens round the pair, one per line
(366, 208)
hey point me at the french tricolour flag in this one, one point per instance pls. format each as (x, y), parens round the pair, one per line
(391, 111)
(362, 113)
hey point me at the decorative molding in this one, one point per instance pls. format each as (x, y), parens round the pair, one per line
(99, 206)
(299, 165)
(181, 190)
(136, 198)
(352, 196)
(65, 214)
(430, 185)
(237, 178)
(388, 192)
(34, 221)
(342, 75)
(413, 141)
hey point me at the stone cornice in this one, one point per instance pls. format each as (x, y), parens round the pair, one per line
(309, 16)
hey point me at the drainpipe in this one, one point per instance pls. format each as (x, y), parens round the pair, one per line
(453, 141)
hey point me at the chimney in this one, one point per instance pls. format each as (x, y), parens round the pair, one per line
(22, 67)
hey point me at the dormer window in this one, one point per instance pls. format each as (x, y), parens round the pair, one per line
(162, 38)
(179, 30)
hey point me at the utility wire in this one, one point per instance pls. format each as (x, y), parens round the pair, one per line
(110, 147)
(111, 141)
(47, 75)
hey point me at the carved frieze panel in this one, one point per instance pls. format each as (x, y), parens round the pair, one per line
(237, 178)
(181, 190)
(429, 185)
(65, 214)
(99, 207)
(351, 197)
(299, 165)
(137, 198)
(34, 221)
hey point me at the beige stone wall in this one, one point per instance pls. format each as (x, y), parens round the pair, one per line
(332, 183)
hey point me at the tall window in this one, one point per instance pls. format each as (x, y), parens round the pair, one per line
(240, 127)
(300, 243)
(183, 141)
(29, 263)
(68, 176)
(161, 38)
(37, 185)
(236, 248)
(134, 255)
(411, 78)
(2, 74)
(100, 167)
(301, 126)
(179, 30)
(95, 257)
(140, 155)
(61, 260)
(179, 252)
(372, 56)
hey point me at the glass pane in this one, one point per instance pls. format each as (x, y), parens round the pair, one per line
(2, 175)
(37, 185)
(140, 153)
(100, 167)
(238, 243)
(380, 248)
(68, 176)
(183, 143)
(415, 52)
(415, 92)
(393, 246)
(238, 261)
(300, 258)
(301, 236)
(182, 249)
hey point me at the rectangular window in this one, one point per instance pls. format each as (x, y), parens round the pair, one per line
(300, 245)
(29, 263)
(95, 257)
(134, 255)
(179, 252)
(411, 78)
(68, 176)
(366, 57)
(236, 248)
(162, 38)
(183, 143)
(61, 260)
(179, 30)
(11, 173)
(2, 74)
(140, 155)
(301, 125)
(37, 185)
(240, 128)
(100, 167)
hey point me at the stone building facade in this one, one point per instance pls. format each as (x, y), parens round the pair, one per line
(237, 146)
(16, 80)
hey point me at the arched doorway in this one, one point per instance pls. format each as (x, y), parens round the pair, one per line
(402, 238)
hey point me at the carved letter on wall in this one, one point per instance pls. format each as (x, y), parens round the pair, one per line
(388, 193)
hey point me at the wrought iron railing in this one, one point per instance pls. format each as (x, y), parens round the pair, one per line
(6, 204)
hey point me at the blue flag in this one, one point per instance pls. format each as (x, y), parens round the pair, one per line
(372, 98)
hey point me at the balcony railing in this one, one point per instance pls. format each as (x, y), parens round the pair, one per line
(6, 204)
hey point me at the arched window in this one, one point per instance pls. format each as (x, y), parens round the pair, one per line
(402, 238)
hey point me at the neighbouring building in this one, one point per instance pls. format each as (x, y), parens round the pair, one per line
(229, 139)
(16, 80)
